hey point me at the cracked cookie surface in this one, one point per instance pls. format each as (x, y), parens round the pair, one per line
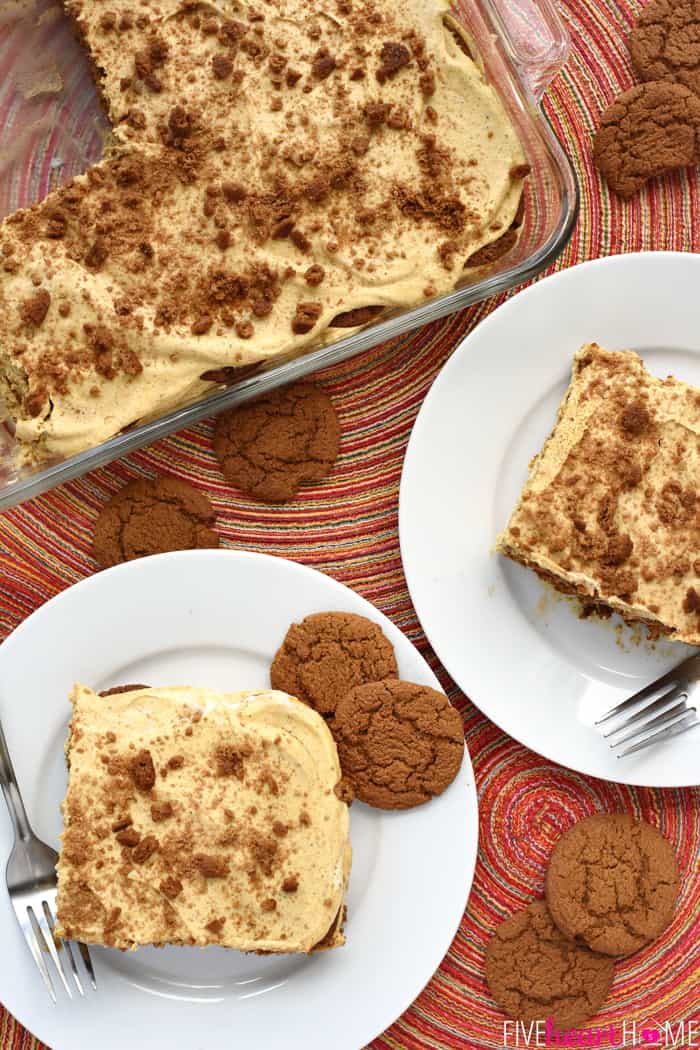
(271, 446)
(665, 42)
(327, 654)
(647, 131)
(612, 883)
(150, 517)
(399, 743)
(534, 972)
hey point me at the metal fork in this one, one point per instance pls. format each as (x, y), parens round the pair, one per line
(31, 884)
(663, 709)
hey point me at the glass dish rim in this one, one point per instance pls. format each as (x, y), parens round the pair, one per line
(372, 334)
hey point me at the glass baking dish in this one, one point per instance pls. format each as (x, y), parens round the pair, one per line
(52, 127)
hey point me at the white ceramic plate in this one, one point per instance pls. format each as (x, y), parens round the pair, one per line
(216, 618)
(523, 656)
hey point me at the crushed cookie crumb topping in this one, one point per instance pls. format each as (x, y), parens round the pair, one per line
(393, 57)
(34, 310)
(142, 770)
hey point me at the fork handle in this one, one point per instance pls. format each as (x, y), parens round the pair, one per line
(10, 789)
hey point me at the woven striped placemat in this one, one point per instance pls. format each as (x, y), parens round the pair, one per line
(347, 527)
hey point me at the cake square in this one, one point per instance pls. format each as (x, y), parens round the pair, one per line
(610, 509)
(194, 817)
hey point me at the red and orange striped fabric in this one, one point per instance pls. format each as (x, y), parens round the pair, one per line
(347, 527)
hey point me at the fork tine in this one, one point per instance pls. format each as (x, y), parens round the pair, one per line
(50, 947)
(637, 719)
(638, 729)
(88, 963)
(683, 726)
(30, 937)
(649, 692)
(73, 966)
(658, 705)
(47, 928)
(45, 938)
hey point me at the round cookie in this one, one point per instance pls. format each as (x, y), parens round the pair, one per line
(399, 743)
(647, 131)
(270, 446)
(612, 883)
(535, 973)
(152, 516)
(328, 654)
(665, 43)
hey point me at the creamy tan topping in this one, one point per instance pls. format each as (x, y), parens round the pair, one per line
(194, 817)
(276, 168)
(611, 509)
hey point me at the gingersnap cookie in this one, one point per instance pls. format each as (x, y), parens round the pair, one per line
(354, 318)
(152, 516)
(647, 131)
(399, 743)
(494, 251)
(664, 42)
(328, 654)
(534, 972)
(612, 883)
(271, 446)
(116, 689)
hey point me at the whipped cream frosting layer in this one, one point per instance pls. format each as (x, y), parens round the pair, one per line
(194, 817)
(275, 167)
(611, 508)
